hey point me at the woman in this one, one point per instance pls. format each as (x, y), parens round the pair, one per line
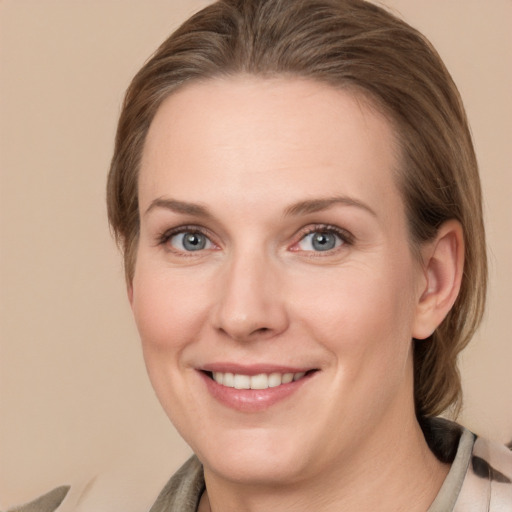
(296, 195)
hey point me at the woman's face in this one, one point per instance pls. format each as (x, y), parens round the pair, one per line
(274, 246)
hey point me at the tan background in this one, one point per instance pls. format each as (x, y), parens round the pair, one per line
(75, 401)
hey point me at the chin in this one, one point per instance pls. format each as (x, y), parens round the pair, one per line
(259, 457)
(256, 469)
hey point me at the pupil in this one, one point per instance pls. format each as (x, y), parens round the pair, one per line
(194, 241)
(324, 241)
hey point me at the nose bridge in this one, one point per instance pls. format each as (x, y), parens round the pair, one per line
(250, 304)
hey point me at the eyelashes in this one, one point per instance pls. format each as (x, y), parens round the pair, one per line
(186, 239)
(322, 238)
(193, 240)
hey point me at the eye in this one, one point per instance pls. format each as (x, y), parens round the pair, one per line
(189, 241)
(321, 240)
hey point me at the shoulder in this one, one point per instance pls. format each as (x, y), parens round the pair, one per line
(492, 460)
(480, 476)
(65, 498)
(111, 492)
(488, 480)
(49, 502)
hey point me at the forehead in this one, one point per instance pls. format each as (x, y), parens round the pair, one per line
(296, 137)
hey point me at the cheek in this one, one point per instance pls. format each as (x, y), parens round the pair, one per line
(362, 314)
(169, 309)
(169, 312)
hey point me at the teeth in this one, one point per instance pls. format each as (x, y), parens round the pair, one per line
(274, 380)
(227, 380)
(260, 381)
(287, 378)
(242, 381)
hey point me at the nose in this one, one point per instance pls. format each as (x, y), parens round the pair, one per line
(251, 305)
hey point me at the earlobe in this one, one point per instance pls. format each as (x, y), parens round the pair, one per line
(443, 265)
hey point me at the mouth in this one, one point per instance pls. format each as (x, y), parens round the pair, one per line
(260, 381)
(256, 389)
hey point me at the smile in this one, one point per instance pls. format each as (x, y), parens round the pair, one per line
(252, 389)
(260, 381)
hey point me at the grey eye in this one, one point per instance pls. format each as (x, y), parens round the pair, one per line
(320, 241)
(190, 241)
(323, 241)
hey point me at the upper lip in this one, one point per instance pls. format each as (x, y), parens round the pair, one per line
(253, 369)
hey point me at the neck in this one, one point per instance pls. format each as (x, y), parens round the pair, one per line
(389, 473)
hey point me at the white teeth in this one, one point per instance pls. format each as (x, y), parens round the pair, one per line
(274, 380)
(260, 381)
(242, 381)
(287, 378)
(228, 380)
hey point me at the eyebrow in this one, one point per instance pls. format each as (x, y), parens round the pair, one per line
(301, 208)
(183, 207)
(317, 205)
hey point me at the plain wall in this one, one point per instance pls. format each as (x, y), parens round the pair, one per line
(75, 401)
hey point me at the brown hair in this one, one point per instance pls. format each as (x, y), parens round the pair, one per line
(351, 44)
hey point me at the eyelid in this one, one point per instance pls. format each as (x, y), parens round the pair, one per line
(163, 238)
(346, 237)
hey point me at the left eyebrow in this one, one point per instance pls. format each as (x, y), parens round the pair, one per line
(320, 204)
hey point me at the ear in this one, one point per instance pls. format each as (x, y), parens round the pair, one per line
(443, 265)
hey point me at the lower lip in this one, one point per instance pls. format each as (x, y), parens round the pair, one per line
(252, 400)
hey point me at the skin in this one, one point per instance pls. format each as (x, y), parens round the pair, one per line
(248, 150)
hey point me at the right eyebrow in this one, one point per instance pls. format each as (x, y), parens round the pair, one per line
(182, 207)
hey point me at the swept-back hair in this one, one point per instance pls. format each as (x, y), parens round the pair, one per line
(349, 44)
